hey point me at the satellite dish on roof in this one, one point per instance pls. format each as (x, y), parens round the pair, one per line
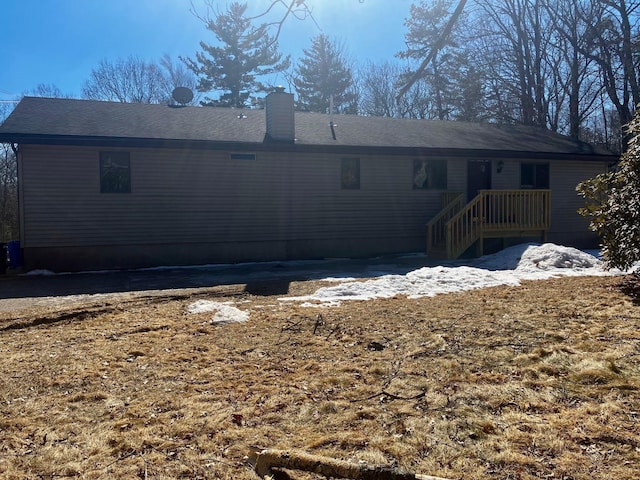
(182, 95)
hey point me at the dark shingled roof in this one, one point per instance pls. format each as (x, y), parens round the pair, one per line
(49, 120)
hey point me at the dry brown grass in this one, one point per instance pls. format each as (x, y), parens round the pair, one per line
(537, 381)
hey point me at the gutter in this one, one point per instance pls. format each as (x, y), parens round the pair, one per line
(289, 147)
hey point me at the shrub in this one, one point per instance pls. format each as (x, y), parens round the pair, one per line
(613, 203)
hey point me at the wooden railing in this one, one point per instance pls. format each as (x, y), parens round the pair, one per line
(450, 197)
(526, 210)
(452, 203)
(464, 228)
(492, 213)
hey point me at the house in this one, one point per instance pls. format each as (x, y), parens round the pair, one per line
(116, 185)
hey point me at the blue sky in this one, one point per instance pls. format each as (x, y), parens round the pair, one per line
(59, 42)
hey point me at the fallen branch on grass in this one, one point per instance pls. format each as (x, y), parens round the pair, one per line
(265, 460)
(392, 396)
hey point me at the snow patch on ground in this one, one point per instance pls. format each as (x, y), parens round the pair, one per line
(225, 312)
(41, 272)
(558, 260)
(508, 267)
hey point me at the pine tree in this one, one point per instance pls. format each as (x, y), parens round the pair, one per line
(244, 53)
(451, 80)
(614, 205)
(322, 72)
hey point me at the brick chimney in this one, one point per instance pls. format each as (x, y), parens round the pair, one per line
(280, 117)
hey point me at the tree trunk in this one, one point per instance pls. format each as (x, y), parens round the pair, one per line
(264, 461)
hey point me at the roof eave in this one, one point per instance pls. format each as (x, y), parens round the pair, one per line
(99, 141)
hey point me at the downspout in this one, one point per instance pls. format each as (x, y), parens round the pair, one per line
(16, 152)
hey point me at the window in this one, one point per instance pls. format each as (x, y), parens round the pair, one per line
(429, 174)
(350, 173)
(115, 172)
(242, 156)
(534, 175)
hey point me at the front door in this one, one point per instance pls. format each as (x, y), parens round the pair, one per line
(478, 177)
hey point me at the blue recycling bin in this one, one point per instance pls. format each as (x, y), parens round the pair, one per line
(3, 258)
(15, 254)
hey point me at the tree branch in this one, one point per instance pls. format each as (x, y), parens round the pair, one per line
(434, 50)
(265, 460)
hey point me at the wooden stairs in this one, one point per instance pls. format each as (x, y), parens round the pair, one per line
(491, 214)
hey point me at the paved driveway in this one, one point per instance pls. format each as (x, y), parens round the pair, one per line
(22, 291)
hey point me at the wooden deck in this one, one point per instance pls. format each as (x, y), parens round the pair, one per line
(491, 214)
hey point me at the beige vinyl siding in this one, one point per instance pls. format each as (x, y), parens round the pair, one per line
(203, 197)
(175, 197)
(567, 226)
(508, 178)
(457, 175)
(58, 186)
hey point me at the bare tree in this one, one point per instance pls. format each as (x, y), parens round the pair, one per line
(47, 90)
(521, 40)
(379, 89)
(574, 75)
(8, 194)
(611, 43)
(542, 62)
(130, 80)
(417, 102)
(133, 80)
(9, 228)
